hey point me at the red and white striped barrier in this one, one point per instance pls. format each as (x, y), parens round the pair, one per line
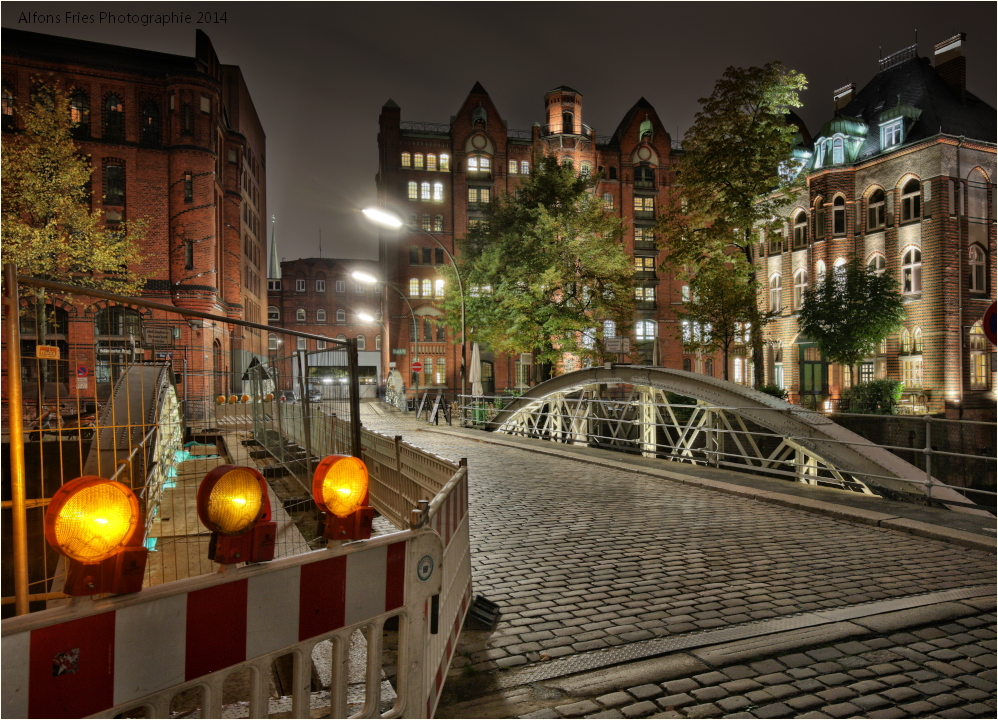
(92, 656)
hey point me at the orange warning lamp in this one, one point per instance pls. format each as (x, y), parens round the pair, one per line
(96, 523)
(233, 504)
(339, 487)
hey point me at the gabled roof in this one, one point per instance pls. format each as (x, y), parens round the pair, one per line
(478, 89)
(641, 105)
(928, 101)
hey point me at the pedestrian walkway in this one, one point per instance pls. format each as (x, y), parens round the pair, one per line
(605, 564)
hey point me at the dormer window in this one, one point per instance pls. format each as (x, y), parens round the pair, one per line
(838, 151)
(891, 133)
(819, 153)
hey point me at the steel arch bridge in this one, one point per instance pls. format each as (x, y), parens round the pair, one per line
(714, 422)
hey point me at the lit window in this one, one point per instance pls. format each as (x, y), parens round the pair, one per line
(341, 286)
(876, 211)
(478, 195)
(890, 133)
(300, 285)
(916, 340)
(839, 216)
(820, 270)
(427, 287)
(838, 151)
(424, 191)
(776, 293)
(644, 330)
(79, 112)
(644, 204)
(273, 313)
(911, 371)
(431, 162)
(438, 223)
(911, 201)
(877, 264)
(438, 192)
(684, 292)
(644, 264)
(441, 375)
(8, 108)
(800, 229)
(609, 329)
(300, 315)
(819, 153)
(439, 287)
(978, 268)
(980, 358)
(425, 224)
(272, 341)
(320, 315)
(608, 201)
(361, 342)
(645, 295)
(905, 341)
(800, 287)
(445, 163)
(911, 271)
(341, 316)
(413, 287)
(513, 166)
(524, 167)
(418, 161)
(586, 170)
(479, 164)
(413, 191)
(406, 159)
(320, 285)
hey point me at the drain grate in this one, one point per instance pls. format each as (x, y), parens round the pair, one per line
(598, 659)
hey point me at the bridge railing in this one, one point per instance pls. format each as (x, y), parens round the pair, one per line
(720, 436)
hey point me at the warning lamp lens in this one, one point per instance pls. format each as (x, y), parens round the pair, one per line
(234, 503)
(340, 484)
(95, 521)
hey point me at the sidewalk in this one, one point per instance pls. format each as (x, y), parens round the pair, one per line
(619, 578)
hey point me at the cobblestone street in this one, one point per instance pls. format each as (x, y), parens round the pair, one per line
(584, 558)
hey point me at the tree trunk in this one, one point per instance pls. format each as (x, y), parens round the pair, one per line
(758, 359)
(724, 352)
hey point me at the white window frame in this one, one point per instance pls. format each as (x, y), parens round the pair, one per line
(876, 211)
(891, 133)
(412, 190)
(320, 286)
(273, 313)
(838, 150)
(300, 285)
(361, 342)
(977, 262)
(776, 293)
(320, 315)
(272, 342)
(800, 287)
(424, 191)
(909, 200)
(341, 286)
(341, 316)
(911, 271)
(413, 287)
(301, 315)
(302, 344)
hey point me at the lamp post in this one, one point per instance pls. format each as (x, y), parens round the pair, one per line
(387, 219)
(371, 280)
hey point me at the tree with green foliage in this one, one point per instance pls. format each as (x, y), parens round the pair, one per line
(735, 174)
(719, 306)
(48, 228)
(544, 270)
(850, 311)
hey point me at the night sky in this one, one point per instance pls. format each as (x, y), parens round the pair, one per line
(320, 72)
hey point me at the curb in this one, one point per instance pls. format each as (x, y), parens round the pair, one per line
(917, 528)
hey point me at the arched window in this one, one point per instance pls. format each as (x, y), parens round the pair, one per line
(877, 264)
(819, 154)
(820, 270)
(876, 212)
(431, 162)
(644, 330)
(361, 342)
(272, 341)
(114, 119)
(320, 315)
(412, 190)
(911, 201)
(800, 287)
(839, 266)
(377, 342)
(114, 185)
(406, 159)
(424, 191)
(341, 337)
(838, 151)
(79, 114)
(916, 340)
(839, 216)
(320, 344)
(978, 263)
(980, 357)
(413, 287)
(273, 313)
(439, 287)
(445, 163)
(911, 271)
(438, 192)
(427, 287)
(800, 229)
(300, 315)
(585, 170)
(905, 341)
(151, 125)
(776, 293)
(687, 365)
(708, 367)
(417, 161)
(7, 107)
(479, 165)
(341, 316)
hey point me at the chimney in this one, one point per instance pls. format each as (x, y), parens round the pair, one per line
(951, 64)
(843, 96)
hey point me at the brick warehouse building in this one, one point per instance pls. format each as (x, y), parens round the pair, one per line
(319, 296)
(176, 141)
(441, 177)
(903, 176)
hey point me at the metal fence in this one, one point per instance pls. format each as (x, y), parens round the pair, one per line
(155, 396)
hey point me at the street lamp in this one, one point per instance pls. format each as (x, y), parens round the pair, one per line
(387, 219)
(371, 280)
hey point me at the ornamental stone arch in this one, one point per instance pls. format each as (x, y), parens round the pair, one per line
(688, 417)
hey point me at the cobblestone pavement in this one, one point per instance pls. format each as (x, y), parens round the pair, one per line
(582, 557)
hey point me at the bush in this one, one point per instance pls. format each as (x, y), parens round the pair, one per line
(874, 397)
(774, 390)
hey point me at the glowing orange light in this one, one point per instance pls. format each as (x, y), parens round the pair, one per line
(339, 484)
(230, 499)
(91, 519)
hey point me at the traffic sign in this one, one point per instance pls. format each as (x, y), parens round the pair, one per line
(988, 322)
(82, 371)
(416, 366)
